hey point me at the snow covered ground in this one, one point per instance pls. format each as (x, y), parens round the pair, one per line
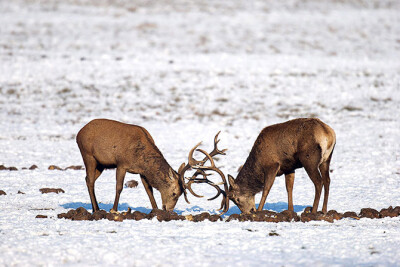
(185, 70)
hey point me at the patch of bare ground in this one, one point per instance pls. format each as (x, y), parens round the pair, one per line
(51, 190)
(131, 184)
(4, 168)
(72, 167)
(260, 216)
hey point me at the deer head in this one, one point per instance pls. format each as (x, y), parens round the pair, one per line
(171, 194)
(243, 199)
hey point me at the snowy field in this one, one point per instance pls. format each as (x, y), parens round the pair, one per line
(185, 70)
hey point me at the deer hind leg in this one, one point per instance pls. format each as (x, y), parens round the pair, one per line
(149, 191)
(120, 176)
(289, 180)
(268, 182)
(312, 170)
(93, 171)
(324, 168)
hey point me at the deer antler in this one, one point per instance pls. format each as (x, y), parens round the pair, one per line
(200, 170)
(213, 153)
(225, 201)
(183, 168)
(216, 151)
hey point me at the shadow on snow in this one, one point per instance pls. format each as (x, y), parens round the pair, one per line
(277, 207)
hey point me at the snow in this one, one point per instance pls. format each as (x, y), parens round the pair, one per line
(185, 70)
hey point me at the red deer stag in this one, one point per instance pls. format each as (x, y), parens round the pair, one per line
(130, 148)
(280, 149)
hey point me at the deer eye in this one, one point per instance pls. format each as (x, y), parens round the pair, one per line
(173, 194)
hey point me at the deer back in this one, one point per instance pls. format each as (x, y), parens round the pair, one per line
(114, 143)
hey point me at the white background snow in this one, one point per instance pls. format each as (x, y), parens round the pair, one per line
(184, 70)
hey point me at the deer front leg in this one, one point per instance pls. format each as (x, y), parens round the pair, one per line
(268, 182)
(149, 191)
(289, 180)
(120, 175)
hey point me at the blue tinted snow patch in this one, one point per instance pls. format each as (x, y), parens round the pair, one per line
(277, 207)
(195, 209)
(107, 207)
(281, 206)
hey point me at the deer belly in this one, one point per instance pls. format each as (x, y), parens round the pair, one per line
(105, 158)
(288, 166)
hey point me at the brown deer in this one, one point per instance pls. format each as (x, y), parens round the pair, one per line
(130, 148)
(280, 149)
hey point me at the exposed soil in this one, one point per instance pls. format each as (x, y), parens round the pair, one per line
(51, 190)
(390, 212)
(350, 214)
(4, 168)
(34, 167)
(369, 213)
(131, 184)
(74, 167)
(81, 214)
(54, 167)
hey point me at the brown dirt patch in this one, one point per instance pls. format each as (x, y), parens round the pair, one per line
(81, 214)
(4, 168)
(51, 190)
(131, 184)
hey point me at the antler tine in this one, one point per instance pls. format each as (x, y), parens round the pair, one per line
(189, 187)
(205, 180)
(224, 205)
(216, 151)
(184, 167)
(208, 157)
(191, 161)
(225, 201)
(218, 189)
(194, 179)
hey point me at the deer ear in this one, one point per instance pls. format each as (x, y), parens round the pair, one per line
(171, 175)
(240, 168)
(231, 181)
(181, 167)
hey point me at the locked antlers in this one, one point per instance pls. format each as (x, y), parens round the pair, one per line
(201, 169)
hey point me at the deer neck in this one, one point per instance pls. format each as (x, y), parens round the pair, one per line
(157, 171)
(251, 176)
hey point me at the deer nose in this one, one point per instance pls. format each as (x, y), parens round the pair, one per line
(164, 207)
